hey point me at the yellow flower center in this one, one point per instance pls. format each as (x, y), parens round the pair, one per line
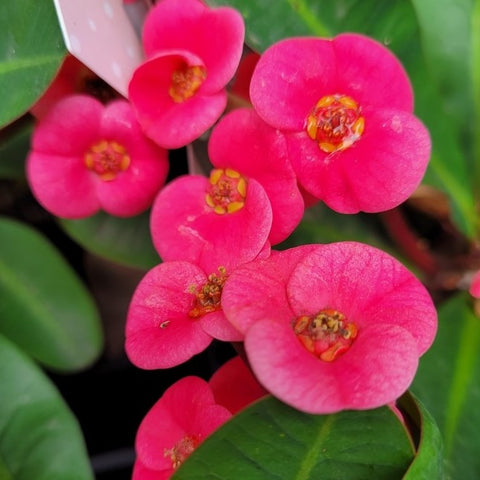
(227, 191)
(186, 81)
(208, 296)
(107, 159)
(327, 334)
(335, 123)
(181, 450)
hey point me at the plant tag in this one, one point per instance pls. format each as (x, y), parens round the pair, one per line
(100, 34)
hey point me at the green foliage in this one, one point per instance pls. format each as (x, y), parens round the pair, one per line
(39, 437)
(45, 309)
(122, 240)
(428, 462)
(271, 441)
(448, 384)
(31, 50)
(14, 146)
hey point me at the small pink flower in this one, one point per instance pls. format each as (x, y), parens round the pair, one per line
(86, 157)
(179, 91)
(206, 220)
(174, 427)
(174, 314)
(242, 141)
(345, 106)
(234, 385)
(331, 327)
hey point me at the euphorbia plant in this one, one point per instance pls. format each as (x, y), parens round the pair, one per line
(330, 330)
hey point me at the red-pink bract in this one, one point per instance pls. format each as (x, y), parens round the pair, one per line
(244, 142)
(241, 83)
(234, 385)
(184, 227)
(56, 165)
(178, 34)
(386, 162)
(185, 415)
(160, 331)
(394, 315)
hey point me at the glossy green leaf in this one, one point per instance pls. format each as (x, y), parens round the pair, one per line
(40, 439)
(31, 50)
(122, 240)
(428, 463)
(448, 381)
(445, 27)
(271, 441)
(438, 64)
(44, 307)
(14, 146)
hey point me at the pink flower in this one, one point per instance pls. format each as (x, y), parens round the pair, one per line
(86, 157)
(345, 106)
(234, 385)
(179, 91)
(221, 221)
(331, 327)
(174, 314)
(242, 141)
(174, 427)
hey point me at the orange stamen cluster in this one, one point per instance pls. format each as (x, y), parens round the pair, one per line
(227, 191)
(181, 450)
(186, 81)
(207, 297)
(326, 334)
(335, 123)
(107, 159)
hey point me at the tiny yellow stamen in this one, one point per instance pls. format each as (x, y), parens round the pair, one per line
(227, 191)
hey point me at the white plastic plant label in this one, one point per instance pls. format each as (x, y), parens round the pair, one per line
(104, 35)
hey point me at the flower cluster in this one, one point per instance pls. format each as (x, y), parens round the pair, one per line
(325, 327)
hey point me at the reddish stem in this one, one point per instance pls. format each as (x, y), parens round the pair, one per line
(408, 241)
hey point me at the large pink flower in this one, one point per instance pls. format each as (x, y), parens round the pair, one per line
(179, 91)
(331, 327)
(183, 417)
(86, 157)
(242, 141)
(345, 106)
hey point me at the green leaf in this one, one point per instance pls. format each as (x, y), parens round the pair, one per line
(39, 437)
(445, 37)
(14, 146)
(122, 240)
(428, 463)
(447, 382)
(265, 19)
(44, 308)
(31, 50)
(272, 441)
